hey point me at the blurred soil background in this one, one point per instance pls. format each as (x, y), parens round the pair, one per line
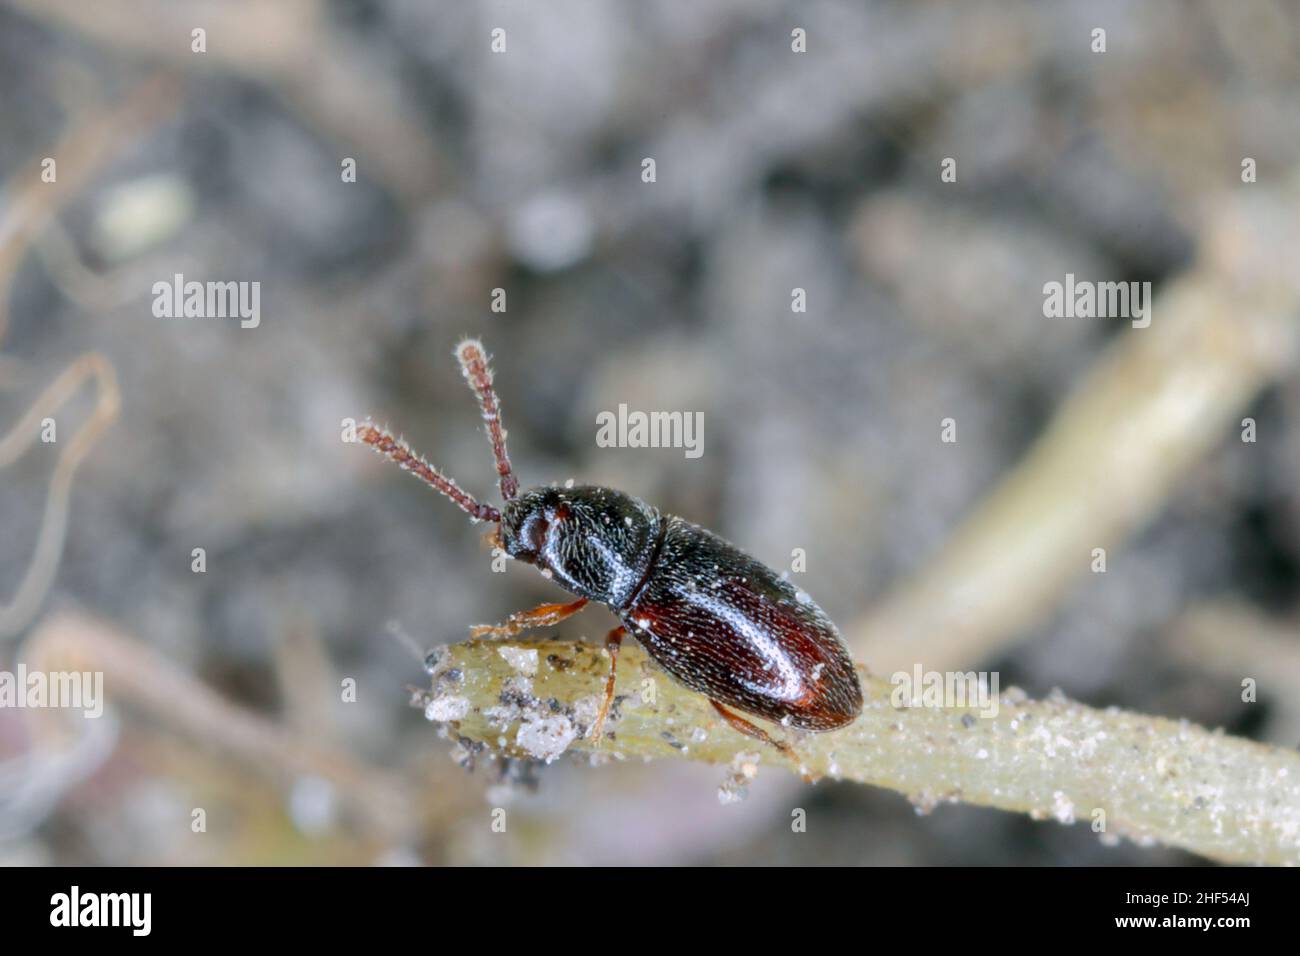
(522, 171)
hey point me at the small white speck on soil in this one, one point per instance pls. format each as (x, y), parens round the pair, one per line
(523, 660)
(547, 738)
(443, 709)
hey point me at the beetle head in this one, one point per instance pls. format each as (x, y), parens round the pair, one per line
(595, 542)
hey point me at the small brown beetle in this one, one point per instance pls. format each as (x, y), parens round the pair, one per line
(714, 618)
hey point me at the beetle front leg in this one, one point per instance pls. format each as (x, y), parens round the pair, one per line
(613, 640)
(542, 616)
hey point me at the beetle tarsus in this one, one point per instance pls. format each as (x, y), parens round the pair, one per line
(543, 615)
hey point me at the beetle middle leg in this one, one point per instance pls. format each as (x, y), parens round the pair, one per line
(743, 726)
(613, 640)
(543, 615)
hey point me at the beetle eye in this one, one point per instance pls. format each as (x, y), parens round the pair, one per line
(535, 534)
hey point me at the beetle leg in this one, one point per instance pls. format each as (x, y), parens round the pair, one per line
(613, 640)
(543, 616)
(749, 730)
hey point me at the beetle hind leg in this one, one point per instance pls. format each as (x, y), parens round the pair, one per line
(741, 725)
(542, 616)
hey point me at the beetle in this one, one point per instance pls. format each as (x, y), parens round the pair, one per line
(717, 620)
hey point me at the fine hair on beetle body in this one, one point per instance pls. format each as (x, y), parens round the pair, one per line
(717, 620)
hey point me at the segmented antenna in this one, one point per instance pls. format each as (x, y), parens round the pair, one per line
(397, 450)
(474, 363)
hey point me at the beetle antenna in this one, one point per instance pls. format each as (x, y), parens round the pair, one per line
(397, 450)
(474, 363)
